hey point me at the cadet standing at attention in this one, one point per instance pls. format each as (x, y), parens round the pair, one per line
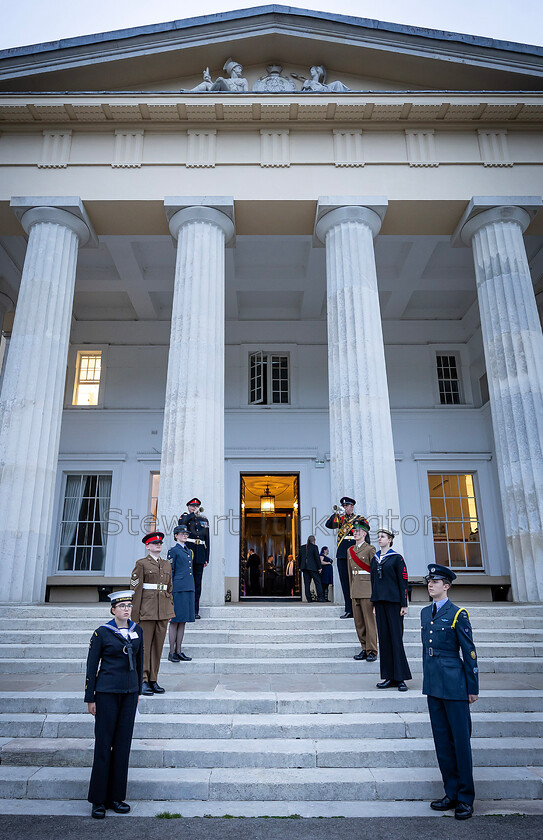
(451, 685)
(198, 541)
(359, 565)
(151, 583)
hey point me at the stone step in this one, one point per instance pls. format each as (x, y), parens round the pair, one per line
(240, 650)
(308, 665)
(269, 784)
(313, 636)
(230, 702)
(293, 753)
(315, 726)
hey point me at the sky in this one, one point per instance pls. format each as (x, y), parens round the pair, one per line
(34, 21)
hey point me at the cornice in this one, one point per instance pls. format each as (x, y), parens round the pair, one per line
(142, 108)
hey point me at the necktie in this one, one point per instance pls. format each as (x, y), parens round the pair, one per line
(434, 610)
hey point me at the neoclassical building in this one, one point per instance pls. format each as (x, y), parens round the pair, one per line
(269, 258)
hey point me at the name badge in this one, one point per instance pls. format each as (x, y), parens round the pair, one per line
(133, 635)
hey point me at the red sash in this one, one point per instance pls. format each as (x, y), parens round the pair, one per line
(356, 559)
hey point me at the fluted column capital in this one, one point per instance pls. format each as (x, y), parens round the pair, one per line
(484, 210)
(67, 211)
(218, 210)
(334, 210)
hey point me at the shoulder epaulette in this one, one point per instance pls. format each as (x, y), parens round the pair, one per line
(455, 619)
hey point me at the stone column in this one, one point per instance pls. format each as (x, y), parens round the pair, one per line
(361, 446)
(192, 461)
(513, 347)
(33, 391)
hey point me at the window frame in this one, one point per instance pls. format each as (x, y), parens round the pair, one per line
(66, 473)
(74, 354)
(460, 353)
(440, 471)
(266, 357)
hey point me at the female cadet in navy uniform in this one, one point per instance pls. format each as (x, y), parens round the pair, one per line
(389, 598)
(182, 560)
(451, 685)
(112, 688)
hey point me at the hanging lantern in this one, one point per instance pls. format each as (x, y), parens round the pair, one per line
(267, 502)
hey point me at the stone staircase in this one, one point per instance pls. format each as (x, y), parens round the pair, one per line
(273, 713)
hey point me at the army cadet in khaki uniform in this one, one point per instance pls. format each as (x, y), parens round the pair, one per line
(358, 563)
(152, 609)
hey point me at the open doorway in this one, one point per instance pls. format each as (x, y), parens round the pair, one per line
(269, 515)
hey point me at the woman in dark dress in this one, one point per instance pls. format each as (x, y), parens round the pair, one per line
(182, 560)
(327, 575)
(112, 688)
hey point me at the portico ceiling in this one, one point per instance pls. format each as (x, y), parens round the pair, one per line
(268, 278)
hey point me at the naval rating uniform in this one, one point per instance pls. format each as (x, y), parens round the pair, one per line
(447, 682)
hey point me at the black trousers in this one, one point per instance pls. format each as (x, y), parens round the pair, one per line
(309, 575)
(197, 571)
(113, 727)
(451, 728)
(343, 572)
(394, 665)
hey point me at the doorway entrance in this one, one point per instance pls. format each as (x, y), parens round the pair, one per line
(269, 518)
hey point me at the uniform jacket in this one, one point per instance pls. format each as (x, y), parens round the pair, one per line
(181, 558)
(336, 521)
(152, 604)
(359, 577)
(108, 664)
(198, 530)
(309, 558)
(392, 585)
(446, 675)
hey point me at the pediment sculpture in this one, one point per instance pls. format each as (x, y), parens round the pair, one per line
(272, 82)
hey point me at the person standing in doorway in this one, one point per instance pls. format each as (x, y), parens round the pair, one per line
(254, 569)
(451, 685)
(345, 539)
(198, 540)
(289, 575)
(310, 566)
(182, 560)
(359, 565)
(151, 583)
(389, 598)
(327, 575)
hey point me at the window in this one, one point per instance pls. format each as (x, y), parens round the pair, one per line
(448, 380)
(455, 521)
(87, 378)
(83, 529)
(268, 379)
(153, 506)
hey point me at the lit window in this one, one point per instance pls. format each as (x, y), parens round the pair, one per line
(268, 379)
(455, 521)
(87, 377)
(83, 529)
(448, 380)
(153, 506)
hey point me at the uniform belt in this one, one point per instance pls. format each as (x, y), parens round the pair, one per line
(196, 542)
(160, 586)
(446, 654)
(359, 572)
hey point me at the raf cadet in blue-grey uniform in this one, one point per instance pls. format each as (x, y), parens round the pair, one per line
(451, 684)
(182, 559)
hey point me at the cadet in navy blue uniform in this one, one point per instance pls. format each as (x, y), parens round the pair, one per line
(112, 688)
(389, 598)
(181, 558)
(451, 684)
(198, 541)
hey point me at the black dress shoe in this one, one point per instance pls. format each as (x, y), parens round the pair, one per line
(346, 615)
(371, 657)
(184, 657)
(387, 684)
(98, 812)
(174, 657)
(197, 616)
(463, 811)
(147, 690)
(360, 656)
(444, 804)
(118, 807)
(156, 688)
(402, 686)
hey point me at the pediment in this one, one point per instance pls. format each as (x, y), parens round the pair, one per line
(362, 54)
